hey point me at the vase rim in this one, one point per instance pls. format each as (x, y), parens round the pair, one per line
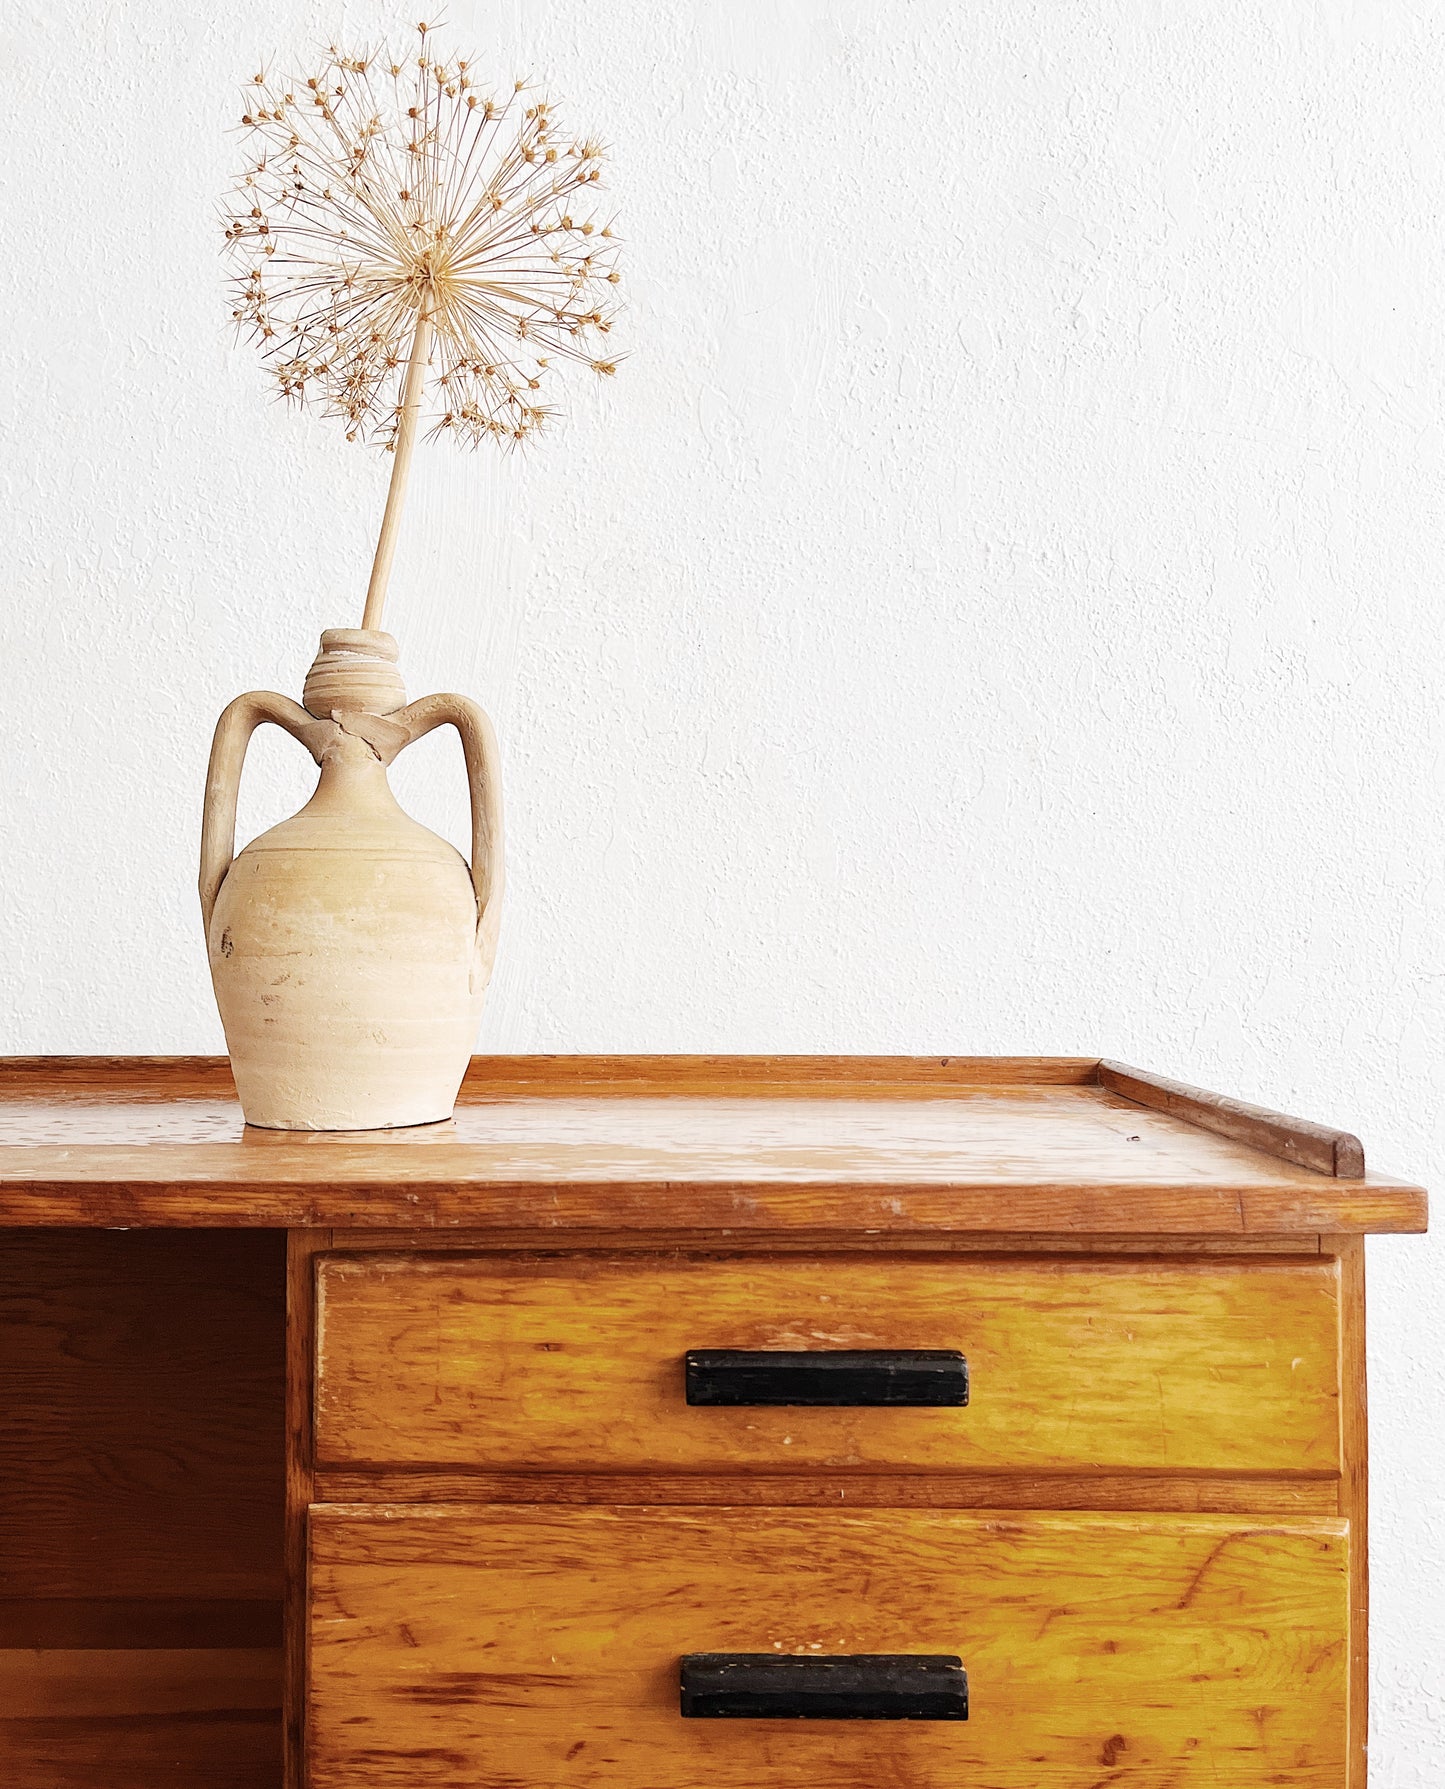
(361, 642)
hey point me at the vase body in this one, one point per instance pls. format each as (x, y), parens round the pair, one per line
(348, 946)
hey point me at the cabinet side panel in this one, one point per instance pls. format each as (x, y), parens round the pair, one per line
(302, 1249)
(141, 1477)
(1354, 1496)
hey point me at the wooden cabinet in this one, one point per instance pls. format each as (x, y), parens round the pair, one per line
(892, 1391)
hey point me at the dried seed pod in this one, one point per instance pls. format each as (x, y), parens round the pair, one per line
(399, 193)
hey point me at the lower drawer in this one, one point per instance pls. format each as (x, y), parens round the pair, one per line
(470, 1647)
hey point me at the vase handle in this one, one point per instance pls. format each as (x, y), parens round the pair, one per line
(479, 748)
(223, 780)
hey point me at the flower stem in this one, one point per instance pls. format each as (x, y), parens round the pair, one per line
(400, 468)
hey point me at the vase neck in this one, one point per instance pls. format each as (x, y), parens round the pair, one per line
(355, 672)
(353, 780)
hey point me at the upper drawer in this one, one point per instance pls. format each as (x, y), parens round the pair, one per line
(501, 1363)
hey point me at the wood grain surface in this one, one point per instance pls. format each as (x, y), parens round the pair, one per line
(707, 1146)
(1317, 1146)
(141, 1459)
(542, 1074)
(1139, 1538)
(141, 1455)
(302, 1250)
(1242, 1493)
(838, 1248)
(1355, 1497)
(472, 1648)
(109, 1683)
(68, 1624)
(507, 1363)
(141, 1719)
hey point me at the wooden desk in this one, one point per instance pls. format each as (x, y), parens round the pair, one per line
(395, 1433)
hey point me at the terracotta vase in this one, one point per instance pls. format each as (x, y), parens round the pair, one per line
(350, 947)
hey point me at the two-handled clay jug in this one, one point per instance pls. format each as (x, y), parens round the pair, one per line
(350, 947)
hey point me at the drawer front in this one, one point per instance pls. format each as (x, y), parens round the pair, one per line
(477, 1648)
(505, 1364)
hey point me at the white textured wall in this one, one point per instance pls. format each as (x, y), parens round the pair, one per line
(997, 607)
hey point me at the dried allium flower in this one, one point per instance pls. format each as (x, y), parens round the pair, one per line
(377, 187)
(405, 239)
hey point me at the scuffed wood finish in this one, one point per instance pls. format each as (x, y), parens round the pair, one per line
(447, 1195)
(1300, 1140)
(1141, 1491)
(838, 1248)
(108, 1079)
(458, 1647)
(1144, 1535)
(507, 1364)
(765, 1077)
(867, 1207)
(819, 1150)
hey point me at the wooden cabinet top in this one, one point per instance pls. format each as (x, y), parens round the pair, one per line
(690, 1146)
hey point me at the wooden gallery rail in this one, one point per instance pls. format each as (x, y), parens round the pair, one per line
(683, 1422)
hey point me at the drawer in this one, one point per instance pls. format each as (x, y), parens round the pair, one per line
(468, 1647)
(495, 1363)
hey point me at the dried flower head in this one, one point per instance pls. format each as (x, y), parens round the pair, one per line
(391, 210)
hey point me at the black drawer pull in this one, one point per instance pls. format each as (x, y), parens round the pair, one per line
(922, 1377)
(869, 1686)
